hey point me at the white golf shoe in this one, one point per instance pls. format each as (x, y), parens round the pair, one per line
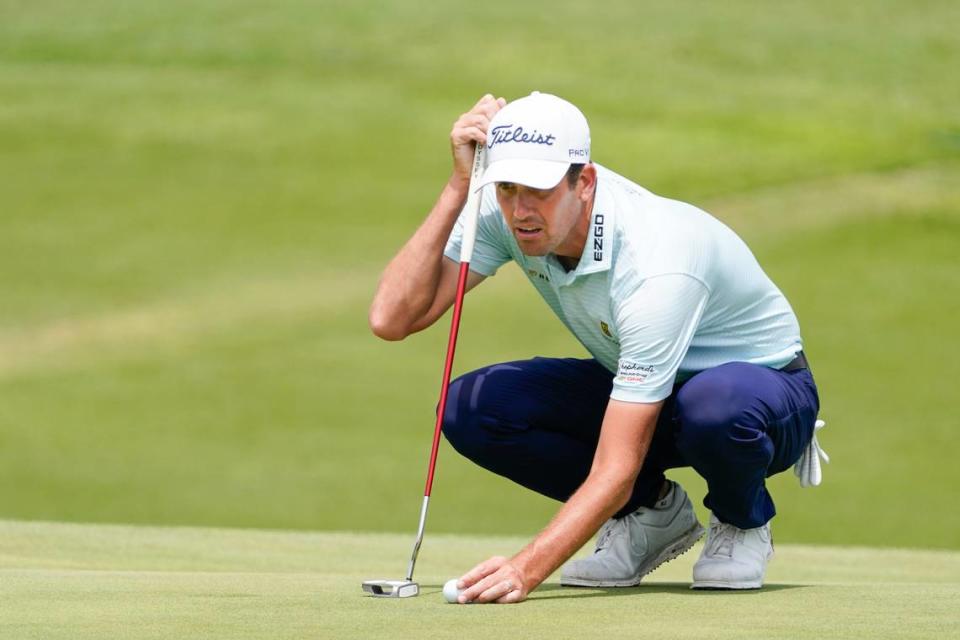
(630, 547)
(733, 558)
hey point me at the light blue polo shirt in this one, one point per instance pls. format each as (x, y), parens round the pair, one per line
(662, 291)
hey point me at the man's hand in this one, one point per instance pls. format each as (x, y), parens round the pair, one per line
(494, 580)
(420, 284)
(469, 129)
(624, 440)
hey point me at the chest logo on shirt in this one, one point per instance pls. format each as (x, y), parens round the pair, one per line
(598, 238)
(606, 331)
(605, 328)
(536, 274)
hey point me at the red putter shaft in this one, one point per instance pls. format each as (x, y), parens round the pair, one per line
(447, 369)
(472, 209)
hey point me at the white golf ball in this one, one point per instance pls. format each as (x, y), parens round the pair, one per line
(450, 591)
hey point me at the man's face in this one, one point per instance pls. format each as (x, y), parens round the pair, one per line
(545, 220)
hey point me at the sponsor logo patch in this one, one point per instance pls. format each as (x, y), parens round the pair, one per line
(598, 238)
(630, 371)
(605, 328)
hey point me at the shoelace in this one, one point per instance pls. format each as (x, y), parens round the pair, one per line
(606, 532)
(807, 468)
(722, 538)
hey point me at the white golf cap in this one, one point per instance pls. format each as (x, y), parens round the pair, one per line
(533, 141)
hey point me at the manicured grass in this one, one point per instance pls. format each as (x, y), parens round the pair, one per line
(196, 200)
(83, 581)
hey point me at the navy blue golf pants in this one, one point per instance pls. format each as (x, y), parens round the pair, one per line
(537, 422)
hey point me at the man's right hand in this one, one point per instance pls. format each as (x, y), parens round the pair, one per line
(420, 284)
(469, 129)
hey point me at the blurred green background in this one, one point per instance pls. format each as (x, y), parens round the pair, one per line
(196, 199)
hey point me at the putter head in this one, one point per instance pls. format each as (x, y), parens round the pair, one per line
(391, 588)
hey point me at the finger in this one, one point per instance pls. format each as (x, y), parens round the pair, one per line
(468, 134)
(474, 120)
(471, 120)
(499, 589)
(490, 588)
(515, 595)
(487, 98)
(482, 570)
(489, 109)
(474, 592)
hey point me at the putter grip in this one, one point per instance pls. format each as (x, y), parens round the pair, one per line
(472, 208)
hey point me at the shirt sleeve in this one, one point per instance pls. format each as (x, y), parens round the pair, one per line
(656, 324)
(489, 251)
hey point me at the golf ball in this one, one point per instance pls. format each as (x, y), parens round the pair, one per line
(450, 591)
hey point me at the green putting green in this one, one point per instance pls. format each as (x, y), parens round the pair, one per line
(82, 582)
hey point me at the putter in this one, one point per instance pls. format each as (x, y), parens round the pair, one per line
(407, 588)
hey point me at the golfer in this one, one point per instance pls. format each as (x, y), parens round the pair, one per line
(697, 359)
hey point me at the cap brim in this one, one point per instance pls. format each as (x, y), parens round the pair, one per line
(538, 174)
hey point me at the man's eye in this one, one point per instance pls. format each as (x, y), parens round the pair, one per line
(506, 186)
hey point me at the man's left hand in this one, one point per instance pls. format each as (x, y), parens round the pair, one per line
(495, 580)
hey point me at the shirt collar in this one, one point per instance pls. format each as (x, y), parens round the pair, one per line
(598, 248)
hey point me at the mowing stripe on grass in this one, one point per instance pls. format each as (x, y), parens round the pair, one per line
(189, 316)
(762, 215)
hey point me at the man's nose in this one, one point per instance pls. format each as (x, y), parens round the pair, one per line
(524, 206)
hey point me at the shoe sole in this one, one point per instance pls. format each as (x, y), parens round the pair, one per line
(673, 550)
(707, 585)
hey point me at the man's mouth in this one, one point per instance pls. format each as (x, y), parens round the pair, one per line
(527, 231)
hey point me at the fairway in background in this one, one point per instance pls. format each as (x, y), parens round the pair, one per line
(197, 199)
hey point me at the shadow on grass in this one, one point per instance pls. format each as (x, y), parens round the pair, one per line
(557, 592)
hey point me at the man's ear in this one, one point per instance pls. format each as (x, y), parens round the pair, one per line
(587, 182)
